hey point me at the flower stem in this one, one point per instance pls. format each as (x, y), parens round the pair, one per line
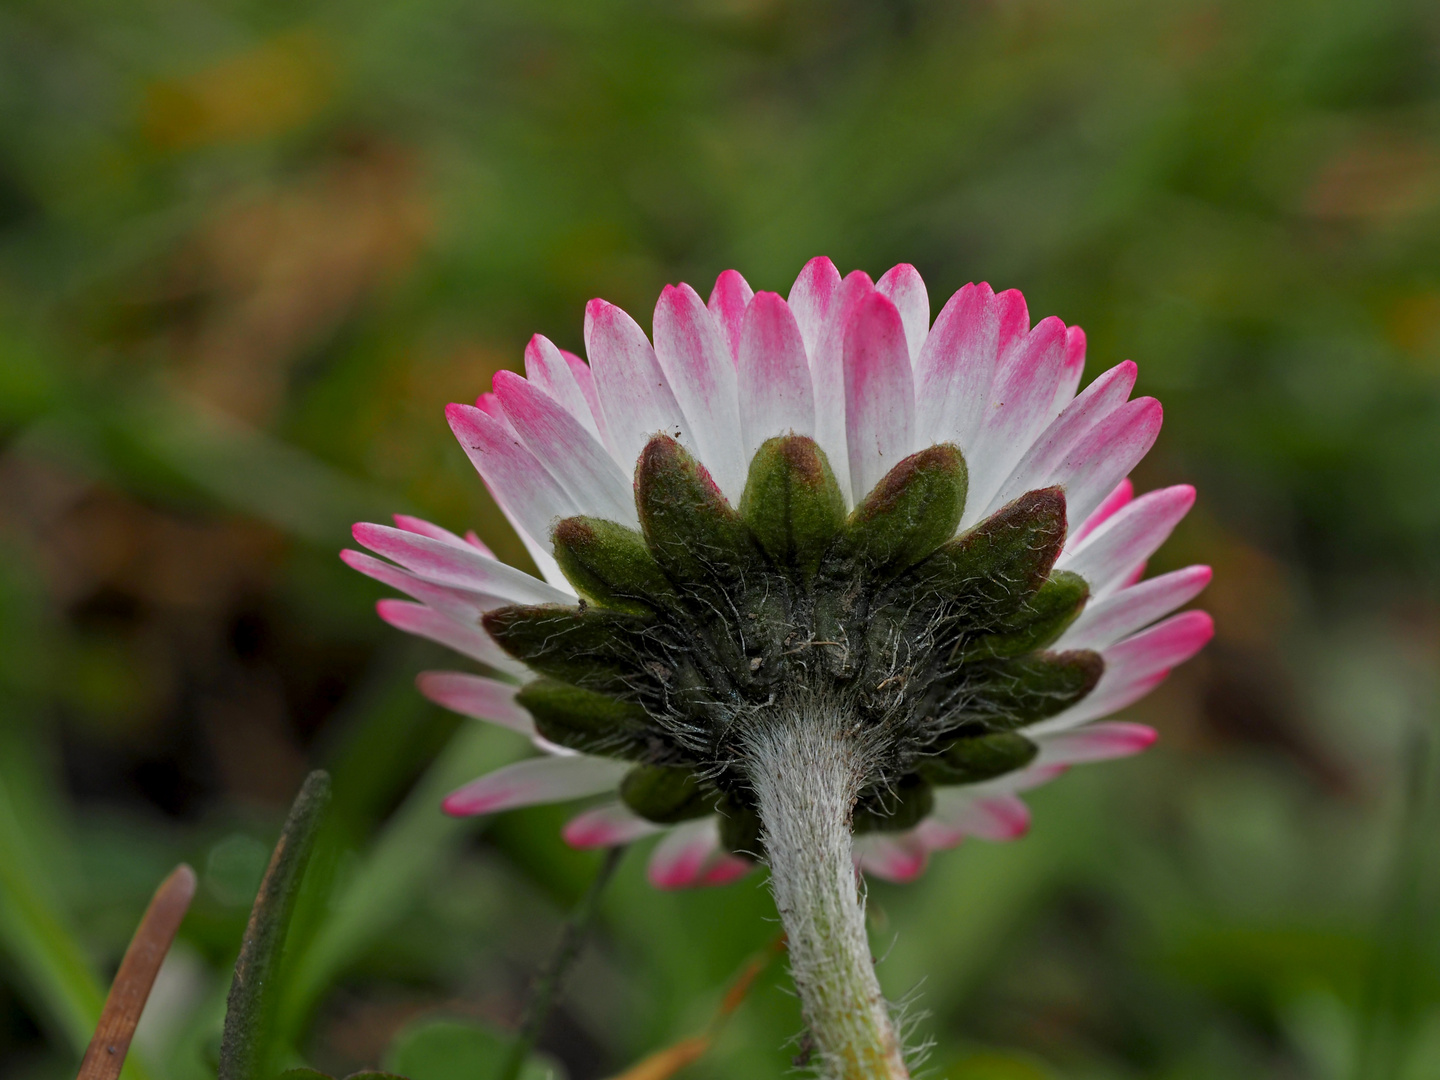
(548, 982)
(807, 770)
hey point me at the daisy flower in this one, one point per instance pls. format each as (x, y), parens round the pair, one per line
(823, 584)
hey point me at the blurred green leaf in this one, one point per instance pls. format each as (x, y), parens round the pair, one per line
(413, 845)
(435, 1049)
(996, 1066)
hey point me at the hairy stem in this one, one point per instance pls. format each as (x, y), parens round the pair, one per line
(807, 768)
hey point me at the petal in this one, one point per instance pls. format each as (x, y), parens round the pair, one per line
(989, 817)
(607, 825)
(773, 375)
(1072, 366)
(1131, 536)
(435, 532)
(448, 564)
(728, 301)
(1109, 506)
(531, 499)
(1095, 742)
(697, 363)
(478, 697)
(725, 868)
(1126, 610)
(957, 364)
(635, 397)
(1037, 467)
(827, 375)
(570, 453)
(552, 374)
(1134, 667)
(585, 380)
(687, 854)
(903, 285)
(1022, 403)
(879, 393)
(1106, 455)
(436, 626)
(534, 781)
(455, 601)
(811, 297)
(898, 857)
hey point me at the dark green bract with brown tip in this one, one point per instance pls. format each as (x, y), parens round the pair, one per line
(694, 629)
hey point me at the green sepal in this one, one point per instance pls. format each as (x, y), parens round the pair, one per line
(1031, 688)
(979, 757)
(591, 647)
(666, 794)
(740, 829)
(792, 503)
(694, 534)
(610, 565)
(895, 808)
(1040, 621)
(995, 567)
(911, 512)
(583, 720)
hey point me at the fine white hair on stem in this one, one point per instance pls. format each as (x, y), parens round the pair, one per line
(807, 763)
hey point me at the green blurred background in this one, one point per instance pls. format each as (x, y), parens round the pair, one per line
(249, 250)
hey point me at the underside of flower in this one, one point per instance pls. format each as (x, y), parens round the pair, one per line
(826, 585)
(707, 623)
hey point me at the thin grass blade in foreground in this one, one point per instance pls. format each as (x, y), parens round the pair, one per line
(131, 988)
(247, 1046)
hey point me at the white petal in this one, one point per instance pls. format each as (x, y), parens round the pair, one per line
(697, 364)
(898, 857)
(435, 532)
(607, 825)
(456, 601)
(1108, 619)
(547, 368)
(534, 781)
(531, 499)
(774, 377)
(811, 298)
(1122, 493)
(879, 393)
(989, 817)
(1037, 469)
(728, 301)
(634, 395)
(1134, 667)
(906, 290)
(686, 854)
(478, 697)
(957, 364)
(570, 453)
(827, 374)
(466, 639)
(447, 564)
(1094, 742)
(1022, 403)
(1106, 455)
(1113, 551)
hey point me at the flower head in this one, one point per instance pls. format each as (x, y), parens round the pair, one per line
(820, 502)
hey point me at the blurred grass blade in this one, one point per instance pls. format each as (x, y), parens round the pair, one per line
(665, 1063)
(248, 1043)
(1396, 992)
(48, 958)
(414, 843)
(131, 988)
